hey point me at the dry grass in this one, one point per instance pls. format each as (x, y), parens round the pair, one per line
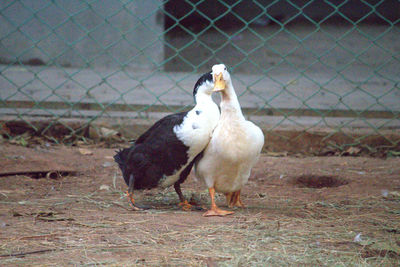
(71, 221)
(284, 233)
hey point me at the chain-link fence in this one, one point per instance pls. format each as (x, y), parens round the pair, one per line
(312, 66)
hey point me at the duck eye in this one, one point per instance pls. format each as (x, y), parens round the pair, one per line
(225, 68)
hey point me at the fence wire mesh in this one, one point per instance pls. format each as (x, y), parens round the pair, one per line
(309, 65)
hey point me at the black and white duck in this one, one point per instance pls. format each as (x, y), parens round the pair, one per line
(165, 153)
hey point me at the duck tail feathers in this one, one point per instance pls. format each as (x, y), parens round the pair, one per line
(121, 157)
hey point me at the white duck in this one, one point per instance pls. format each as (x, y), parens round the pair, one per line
(234, 148)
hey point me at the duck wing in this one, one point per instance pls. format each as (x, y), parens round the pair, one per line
(161, 127)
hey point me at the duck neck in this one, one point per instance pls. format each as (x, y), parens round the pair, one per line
(203, 98)
(229, 102)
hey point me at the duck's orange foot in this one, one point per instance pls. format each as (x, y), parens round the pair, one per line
(185, 205)
(217, 212)
(132, 201)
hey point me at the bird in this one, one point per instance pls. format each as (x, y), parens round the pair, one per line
(233, 150)
(164, 154)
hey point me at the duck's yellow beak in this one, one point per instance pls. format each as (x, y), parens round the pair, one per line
(219, 83)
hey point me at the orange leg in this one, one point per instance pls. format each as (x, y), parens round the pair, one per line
(229, 197)
(215, 211)
(233, 199)
(238, 201)
(132, 201)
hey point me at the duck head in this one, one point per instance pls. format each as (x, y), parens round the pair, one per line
(203, 86)
(221, 77)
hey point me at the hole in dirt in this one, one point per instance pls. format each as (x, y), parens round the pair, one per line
(316, 181)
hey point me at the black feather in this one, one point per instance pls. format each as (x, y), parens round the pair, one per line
(156, 154)
(120, 158)
(204, 78)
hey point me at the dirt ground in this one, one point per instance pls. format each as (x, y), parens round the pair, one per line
(320, 211)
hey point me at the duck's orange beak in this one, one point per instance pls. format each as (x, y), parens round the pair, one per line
(219, 82)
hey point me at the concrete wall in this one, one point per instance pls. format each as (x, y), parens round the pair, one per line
(82, 33)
